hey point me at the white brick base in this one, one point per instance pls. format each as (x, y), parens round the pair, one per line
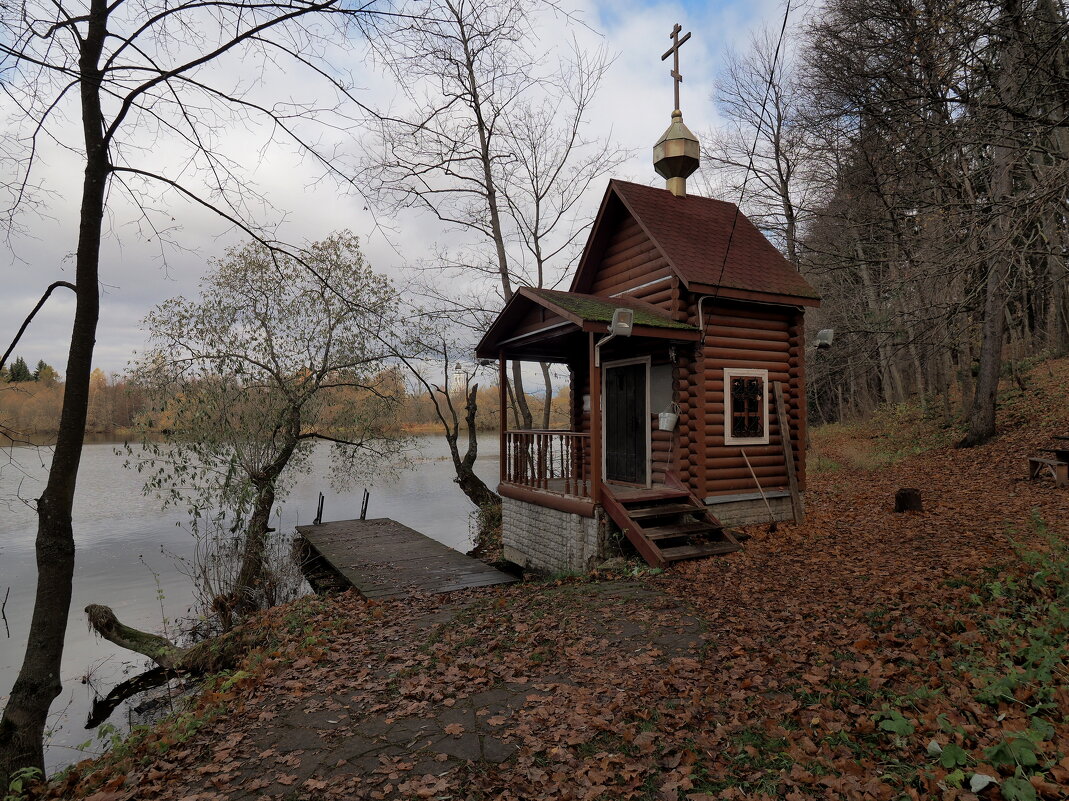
(547, 539)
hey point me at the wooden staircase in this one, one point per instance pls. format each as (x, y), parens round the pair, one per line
(666, 524)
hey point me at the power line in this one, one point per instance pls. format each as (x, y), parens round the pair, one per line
(753, 148)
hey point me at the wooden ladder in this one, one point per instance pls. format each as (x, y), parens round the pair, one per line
(667, 524)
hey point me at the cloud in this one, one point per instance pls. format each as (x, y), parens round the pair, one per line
(138, 270)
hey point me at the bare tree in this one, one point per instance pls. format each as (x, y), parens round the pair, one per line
(138, 75)
(765, 145)
(554, 164)
(459, 69)
(491, 142)
(455, 409)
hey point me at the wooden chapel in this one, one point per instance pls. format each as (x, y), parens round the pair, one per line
(683, 335)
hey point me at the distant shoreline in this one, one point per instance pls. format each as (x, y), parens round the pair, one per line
(122, 435)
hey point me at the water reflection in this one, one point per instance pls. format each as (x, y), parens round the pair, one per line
(127, 549)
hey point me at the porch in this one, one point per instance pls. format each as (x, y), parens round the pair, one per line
(549, 467)
(564, 486)
(553, 467)
(550, 518)
(613, 381)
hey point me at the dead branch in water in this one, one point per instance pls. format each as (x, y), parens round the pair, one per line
(208, 656)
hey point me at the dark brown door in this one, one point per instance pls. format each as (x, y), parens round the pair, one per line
(626, 423)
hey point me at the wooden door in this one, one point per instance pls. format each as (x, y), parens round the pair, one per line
(626, 423)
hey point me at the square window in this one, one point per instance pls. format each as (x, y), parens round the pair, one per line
(745, 407)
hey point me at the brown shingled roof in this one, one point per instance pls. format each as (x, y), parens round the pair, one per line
(692, 232)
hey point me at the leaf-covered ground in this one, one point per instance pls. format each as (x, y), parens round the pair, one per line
(865, 654)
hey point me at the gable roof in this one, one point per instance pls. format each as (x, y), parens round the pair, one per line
(575, 312)
(693, 234)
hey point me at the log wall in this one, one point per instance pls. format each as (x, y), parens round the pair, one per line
(633, 266)
(737, 334)
(762, 338)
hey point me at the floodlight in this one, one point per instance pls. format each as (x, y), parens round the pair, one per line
(623, 320)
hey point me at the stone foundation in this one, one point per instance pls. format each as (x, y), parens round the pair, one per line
(749, 510)
(540, 538)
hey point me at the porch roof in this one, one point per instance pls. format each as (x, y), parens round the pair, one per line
(547, 324)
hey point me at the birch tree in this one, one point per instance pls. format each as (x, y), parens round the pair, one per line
(489, 137)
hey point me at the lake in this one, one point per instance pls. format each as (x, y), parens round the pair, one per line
(128, 550)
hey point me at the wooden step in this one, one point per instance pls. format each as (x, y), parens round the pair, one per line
(629, 507)
(698, 551)
(643, 512)
(625, 495)
(679, 530)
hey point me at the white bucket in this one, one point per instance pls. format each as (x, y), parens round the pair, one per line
(666, 421)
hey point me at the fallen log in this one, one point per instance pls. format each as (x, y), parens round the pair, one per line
(143, 682)
(221, 652)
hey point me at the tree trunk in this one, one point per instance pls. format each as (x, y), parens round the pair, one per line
(254, 580)
(207, 656)
(253, 577)
(982, 412)
(38, 682)
(473, 486)
(547, 409)
(1057, 319)
(526, 418)
(998, 231)
(883, 345)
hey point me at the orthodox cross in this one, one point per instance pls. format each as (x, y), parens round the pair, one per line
(674, 51)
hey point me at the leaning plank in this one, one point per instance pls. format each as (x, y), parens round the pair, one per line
(382, 558)
(788, 454)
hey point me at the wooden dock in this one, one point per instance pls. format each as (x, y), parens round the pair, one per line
(382, 558)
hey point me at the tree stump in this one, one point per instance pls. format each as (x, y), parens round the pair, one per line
(908, 499)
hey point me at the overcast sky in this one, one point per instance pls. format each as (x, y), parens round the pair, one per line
(634, 105)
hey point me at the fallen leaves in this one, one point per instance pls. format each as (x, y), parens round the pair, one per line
(823, 660)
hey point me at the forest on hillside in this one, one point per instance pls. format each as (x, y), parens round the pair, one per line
(912, 160)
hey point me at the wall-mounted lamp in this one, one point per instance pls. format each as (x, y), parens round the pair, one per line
(824, 338)
(623, 321)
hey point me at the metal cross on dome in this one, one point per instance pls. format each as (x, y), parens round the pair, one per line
(674, 51)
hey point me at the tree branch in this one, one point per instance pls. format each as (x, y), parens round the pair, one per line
(29, 318)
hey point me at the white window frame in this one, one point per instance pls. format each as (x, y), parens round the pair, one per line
(740, 372)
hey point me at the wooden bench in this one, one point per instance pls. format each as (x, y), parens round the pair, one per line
(1058, 469)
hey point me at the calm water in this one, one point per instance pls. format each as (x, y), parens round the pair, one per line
(127, 549)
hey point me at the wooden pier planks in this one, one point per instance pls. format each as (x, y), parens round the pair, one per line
(382, 558)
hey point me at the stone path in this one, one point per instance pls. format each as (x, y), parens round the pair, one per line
(293, 745)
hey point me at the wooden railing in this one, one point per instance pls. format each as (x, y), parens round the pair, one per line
(554, 461)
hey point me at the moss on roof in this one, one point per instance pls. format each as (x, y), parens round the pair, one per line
(600, 310)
